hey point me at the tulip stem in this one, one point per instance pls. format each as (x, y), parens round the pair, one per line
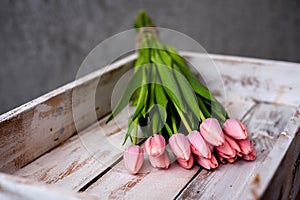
(174, 126)
(186, 124)
(135, 131)
(202, 117)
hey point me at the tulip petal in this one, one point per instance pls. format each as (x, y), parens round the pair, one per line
(199, 145)
(162, 161)
(180, 146)
(155, 145)
(187, 164)
(211, 131)
(234, 128)
(245, 146)
(133, 158)
(206, 163)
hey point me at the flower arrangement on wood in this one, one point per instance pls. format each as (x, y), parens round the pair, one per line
(178, 110)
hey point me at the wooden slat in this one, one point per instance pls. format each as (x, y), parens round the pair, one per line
(235, 181)
(81, 158)
(285, 162)
(260, 80)
(249, 78)
(12, 187)
(34, 128)
(119, 184)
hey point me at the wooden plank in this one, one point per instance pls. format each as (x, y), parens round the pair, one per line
(119, 184)
(36, 127)
(12, 187)
(235, 181)
(285, 160)
(81, 158)
(249, 78)
(260, 80)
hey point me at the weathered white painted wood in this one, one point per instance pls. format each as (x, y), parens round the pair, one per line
(257, 79)
(119, 184)
(81, 158)
(34, 128)
(235, 181)
(12, 187)
(282, 180)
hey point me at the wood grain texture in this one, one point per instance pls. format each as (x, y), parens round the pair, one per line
(249, 78)
(265, 122)
(12, 187)
(285, 159)
(150, 183)
(81, 158)
(36, 127)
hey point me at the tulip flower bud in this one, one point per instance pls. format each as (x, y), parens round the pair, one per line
(245, 145)
(187, 164)
(226, 151)
(207, 163)
(233, 144)
(229, 149)
(250, 156)
(180, 146)
(199, 145)
(155, 145)
(235, 129)
(162, 161)
(211, 131)
(133, 158)
(248, 151)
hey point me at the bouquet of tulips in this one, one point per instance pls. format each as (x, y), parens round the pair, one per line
(172, 105)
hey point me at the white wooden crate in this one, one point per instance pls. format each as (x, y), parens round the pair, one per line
(42, 155)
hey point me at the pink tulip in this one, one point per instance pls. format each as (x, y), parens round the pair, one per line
(133, 158)
(246, 146)
(250, 156)
(235, 129)
(248, 151)
(180, 146)
(212, 132)
(206, 163)
(162, 161)
(233, 144)
(226, 151)
(199, 145)
(155, 145)
(231, 160)
(187, 164)
(225, 158)
(229, 149)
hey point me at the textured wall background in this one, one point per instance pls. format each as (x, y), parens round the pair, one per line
(43, 42)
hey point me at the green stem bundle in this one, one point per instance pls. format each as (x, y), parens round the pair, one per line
(168, 92)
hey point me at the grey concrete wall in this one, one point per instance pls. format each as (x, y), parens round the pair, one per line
(43, 42)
